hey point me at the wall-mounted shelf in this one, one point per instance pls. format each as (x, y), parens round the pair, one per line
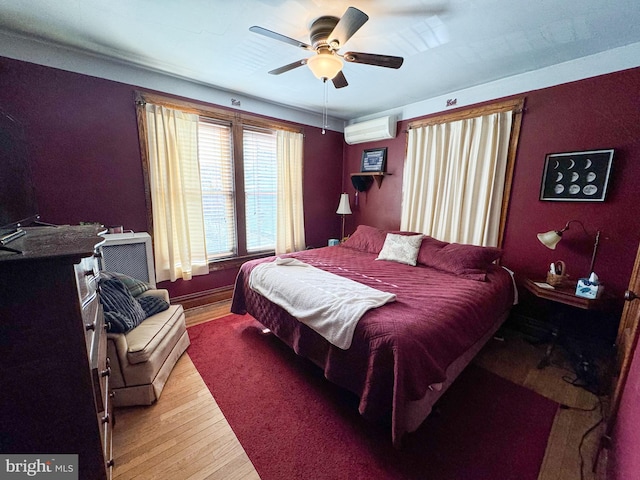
(377, 176)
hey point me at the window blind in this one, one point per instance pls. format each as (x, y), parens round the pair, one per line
(216, 174)
(260, 185)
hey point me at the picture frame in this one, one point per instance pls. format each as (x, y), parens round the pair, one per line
(576, 176)
(374, 160)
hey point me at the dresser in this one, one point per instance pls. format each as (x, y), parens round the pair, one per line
(54, 370)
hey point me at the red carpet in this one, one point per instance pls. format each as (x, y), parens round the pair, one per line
(293, 424)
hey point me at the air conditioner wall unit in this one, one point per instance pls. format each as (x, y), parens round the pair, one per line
(371, 130)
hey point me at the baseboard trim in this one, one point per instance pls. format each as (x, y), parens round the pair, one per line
(206, 297)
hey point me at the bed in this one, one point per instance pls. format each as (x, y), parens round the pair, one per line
(404, 354)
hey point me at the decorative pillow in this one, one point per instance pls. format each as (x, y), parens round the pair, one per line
(366, 239)
(152, 305)
(122, 311)
(135, 286)
(401, 248)
(468, 261)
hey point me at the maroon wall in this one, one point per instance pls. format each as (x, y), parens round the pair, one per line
(85, 157)
(596, 113)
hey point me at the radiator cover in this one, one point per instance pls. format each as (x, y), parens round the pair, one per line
(129, 253)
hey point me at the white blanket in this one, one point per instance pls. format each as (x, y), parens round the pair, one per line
(329, 304)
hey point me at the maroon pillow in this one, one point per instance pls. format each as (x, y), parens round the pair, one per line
(366, 239)
(404, 232)
(468, 261)
(429, 249)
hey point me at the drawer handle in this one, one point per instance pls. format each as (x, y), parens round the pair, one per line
(97, 253)
(106, 418)
(112, 394)
(111, 463)
(90, 326)
(106, 372)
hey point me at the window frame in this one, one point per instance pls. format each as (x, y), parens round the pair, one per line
(238, 121)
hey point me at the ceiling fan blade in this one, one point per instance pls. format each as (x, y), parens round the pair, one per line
(417, 11)
(291, 66)
(340, 81)
(349, 24)
(374, 59)
(280, 37)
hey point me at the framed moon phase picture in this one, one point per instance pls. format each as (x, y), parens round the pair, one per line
(576, 176)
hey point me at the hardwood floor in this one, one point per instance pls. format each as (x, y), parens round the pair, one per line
(182, 436)
(206, 313)
(517, 360)
(185, 435)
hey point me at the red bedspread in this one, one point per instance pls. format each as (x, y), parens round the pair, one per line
(398, 349)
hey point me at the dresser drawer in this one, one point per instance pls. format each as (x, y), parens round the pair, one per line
(99, 363)
(92, 322)
(87, 272)
(106, 422)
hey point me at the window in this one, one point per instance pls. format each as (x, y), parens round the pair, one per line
(219, 190)
(237, 157)
(260, 189)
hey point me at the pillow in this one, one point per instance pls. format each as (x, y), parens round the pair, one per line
(468, 261)
(122, 311)
(152, 305)
(135, 286)
(366, 239)
(429, 249)
(401, 248)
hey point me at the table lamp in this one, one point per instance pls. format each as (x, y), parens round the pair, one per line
(343, 209)
(551, 238)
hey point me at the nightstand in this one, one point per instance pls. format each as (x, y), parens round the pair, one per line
(563, 297)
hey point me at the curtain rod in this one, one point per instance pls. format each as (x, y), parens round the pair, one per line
(435, 120)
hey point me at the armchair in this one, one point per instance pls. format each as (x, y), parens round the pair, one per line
(142, 358)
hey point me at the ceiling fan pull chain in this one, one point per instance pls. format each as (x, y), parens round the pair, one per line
(325, 117)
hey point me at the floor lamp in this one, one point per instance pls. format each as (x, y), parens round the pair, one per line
(343, 209)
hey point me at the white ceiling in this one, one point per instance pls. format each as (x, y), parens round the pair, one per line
(447, 45)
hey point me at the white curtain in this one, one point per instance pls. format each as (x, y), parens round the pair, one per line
(290, 211)
(176, 194)
(454, 179)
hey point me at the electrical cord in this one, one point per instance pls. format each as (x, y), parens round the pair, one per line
(591, 388)
(598, 404)
(589, 430)
(586, 434)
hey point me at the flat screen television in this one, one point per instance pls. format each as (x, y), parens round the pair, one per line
(17, 195)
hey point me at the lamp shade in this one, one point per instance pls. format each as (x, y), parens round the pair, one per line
(550, 239)
(325, 65)
(344, 208)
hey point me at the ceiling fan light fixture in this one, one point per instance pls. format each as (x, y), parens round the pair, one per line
(325, 65)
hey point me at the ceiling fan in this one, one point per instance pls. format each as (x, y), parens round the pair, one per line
(328, 34)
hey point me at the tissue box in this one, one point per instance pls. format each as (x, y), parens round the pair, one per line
(586, 289)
